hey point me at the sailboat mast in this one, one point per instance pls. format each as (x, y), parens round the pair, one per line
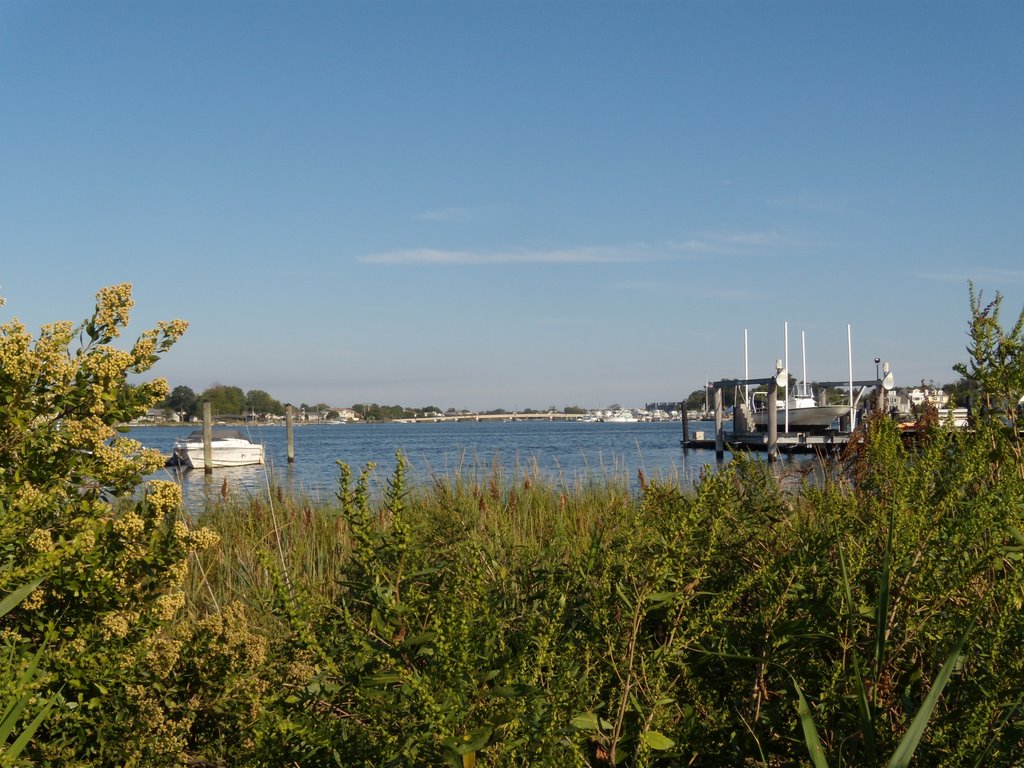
(786, 326)
(746, 369)
(849, 353)
(803, 350)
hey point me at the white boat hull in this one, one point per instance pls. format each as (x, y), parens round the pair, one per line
(808, 417)
(224, 452)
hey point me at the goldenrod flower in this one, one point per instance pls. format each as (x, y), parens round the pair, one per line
(113, 305)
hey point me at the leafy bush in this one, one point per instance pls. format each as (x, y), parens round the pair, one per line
(870, 616)
(109, 562)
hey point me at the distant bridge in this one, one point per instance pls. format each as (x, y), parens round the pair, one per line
(549, 416)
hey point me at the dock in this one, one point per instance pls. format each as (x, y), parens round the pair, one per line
(769, 438)
(785, 442)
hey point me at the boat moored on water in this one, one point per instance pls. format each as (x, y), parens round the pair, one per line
(228, 448)
(620, 416)
(804, 412)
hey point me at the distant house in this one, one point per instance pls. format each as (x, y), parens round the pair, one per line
(346, 414)
(158, 416)
(920, 396)
(909, 400)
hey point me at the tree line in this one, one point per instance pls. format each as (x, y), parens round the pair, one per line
(227, 400)
(224, 400)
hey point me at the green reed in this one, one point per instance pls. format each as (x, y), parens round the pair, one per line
(490, 617)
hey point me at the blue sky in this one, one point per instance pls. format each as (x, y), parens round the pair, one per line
(515, 204)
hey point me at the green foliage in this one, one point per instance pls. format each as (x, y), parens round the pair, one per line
(697, 399)
(104, 559)
(262, 404)
(995, 367)
(19, 673)
(374, 412)
(184, 401)
(872, 615)
(496, 621)
(996, 355)
(224, 399)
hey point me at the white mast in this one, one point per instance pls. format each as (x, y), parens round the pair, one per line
(803, 349)
(746, 369)
(786, 326)
(849, 352)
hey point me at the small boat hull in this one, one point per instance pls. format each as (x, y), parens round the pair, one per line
(226, 450)
(806, 417)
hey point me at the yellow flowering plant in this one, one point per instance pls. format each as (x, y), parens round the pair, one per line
(109, 559)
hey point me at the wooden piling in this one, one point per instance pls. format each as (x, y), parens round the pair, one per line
(686, 424)
(719, 425)
(207, 438)
(290, 430)
(773, 420)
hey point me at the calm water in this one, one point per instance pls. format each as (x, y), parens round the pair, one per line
(560, 451)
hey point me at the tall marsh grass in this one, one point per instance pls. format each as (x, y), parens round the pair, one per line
(510, 620)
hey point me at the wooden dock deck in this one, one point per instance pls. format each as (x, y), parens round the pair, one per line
(787, 442)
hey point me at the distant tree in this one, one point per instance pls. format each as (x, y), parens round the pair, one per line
(696, 399)
(225, 399)
(261, 403)
(574, 410)
(962, 390)
(397, 412)
(374, 412)
(184, 401)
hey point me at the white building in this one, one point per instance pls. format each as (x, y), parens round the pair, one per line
(918, 397)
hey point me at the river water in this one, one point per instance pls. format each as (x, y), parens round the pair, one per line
(561, 452)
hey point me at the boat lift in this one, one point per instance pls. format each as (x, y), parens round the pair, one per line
(744, 435)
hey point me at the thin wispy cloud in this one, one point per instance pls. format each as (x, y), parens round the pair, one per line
(979, 275)
(806, 201)
(574, 322)
(581, 255)
(706, 244)
(446, 214)
(737, 244)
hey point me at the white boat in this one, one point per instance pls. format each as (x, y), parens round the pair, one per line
(620, 417)
(804, 412)
(228, 448)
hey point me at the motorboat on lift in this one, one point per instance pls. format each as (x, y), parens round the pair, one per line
(804, 412)
(228, 448)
